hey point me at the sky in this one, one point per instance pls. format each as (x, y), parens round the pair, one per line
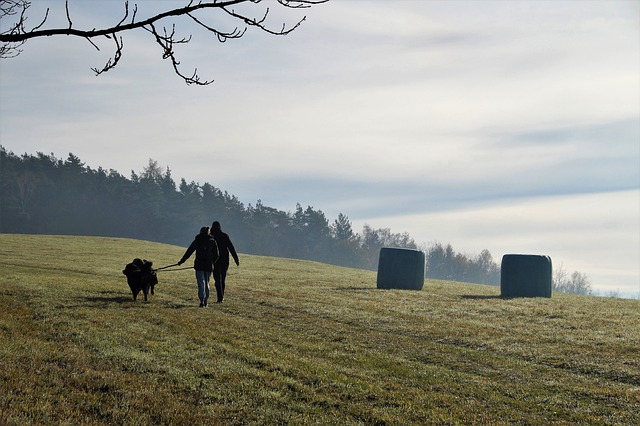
(512, 126)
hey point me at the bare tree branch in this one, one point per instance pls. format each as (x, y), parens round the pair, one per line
(126, 13)
(13, 39)
(66, 6)
(112, 62)
(94, 45)
(222, 36)
(167, 41)
(260, 23)
(10, 8)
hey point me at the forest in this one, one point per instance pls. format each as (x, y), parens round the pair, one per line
(42, 194)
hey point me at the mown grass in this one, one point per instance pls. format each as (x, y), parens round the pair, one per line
(297, 343)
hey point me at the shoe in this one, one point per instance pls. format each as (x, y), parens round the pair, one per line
(205, 304)
(201, 304)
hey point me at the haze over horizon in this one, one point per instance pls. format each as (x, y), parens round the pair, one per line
(507, 126)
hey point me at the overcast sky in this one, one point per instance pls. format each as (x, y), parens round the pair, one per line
(507, 125)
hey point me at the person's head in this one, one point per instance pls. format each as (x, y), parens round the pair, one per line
(204, 230)
(215, 226)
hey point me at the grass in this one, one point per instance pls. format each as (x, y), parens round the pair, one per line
(297, 343)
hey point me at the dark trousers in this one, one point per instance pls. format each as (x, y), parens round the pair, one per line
(220, 276)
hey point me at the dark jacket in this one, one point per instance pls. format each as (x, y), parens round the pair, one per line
(206, 252)
(225, 246)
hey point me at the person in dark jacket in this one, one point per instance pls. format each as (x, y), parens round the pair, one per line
(206, 256)
(222, 264)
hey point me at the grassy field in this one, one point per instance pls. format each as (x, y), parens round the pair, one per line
(297, 343)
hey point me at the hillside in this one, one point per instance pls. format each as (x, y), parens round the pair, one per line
(296, 342)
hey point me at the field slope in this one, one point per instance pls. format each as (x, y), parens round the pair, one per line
(297, 343)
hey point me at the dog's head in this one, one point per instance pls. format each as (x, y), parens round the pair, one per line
(131, 269)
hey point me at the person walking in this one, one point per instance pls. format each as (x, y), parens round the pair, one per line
(225, 246)
(206, 255)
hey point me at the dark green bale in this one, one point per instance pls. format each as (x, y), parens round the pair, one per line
(525, 275)
(401, 269)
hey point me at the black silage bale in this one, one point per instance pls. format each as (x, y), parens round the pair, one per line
(400, 268)
(525, 275)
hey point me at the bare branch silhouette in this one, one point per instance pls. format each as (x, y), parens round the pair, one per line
(17, 34)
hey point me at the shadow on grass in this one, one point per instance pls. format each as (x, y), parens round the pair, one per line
(128, 302)
(354, 288)
(483, 297)
(101, 299)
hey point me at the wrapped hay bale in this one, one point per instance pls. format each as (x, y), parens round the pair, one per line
(401, 269)
(525, 275)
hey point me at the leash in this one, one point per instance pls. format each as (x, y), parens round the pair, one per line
(171, 266)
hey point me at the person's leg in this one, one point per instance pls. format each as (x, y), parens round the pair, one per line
(200, 278)
(207, 278)
(218, 282)
(223, 280)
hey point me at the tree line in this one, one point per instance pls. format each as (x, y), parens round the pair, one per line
(43, 194)
(46, 195)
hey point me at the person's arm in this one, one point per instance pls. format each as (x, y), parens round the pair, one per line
(216, 252)
(232, 250)
(188, 253)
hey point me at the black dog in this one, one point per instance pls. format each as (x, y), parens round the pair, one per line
(141, 277)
